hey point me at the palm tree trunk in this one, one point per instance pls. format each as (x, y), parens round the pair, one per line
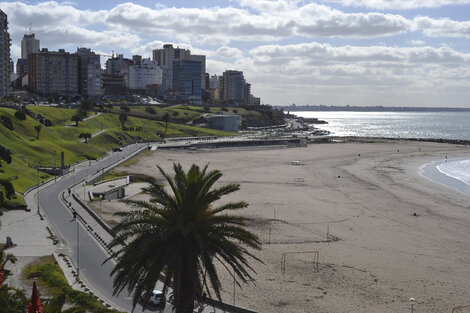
(187, 293)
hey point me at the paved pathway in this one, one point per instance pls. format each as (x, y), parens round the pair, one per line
(83, 244)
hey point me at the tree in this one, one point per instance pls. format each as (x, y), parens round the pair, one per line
(85, 136)
(38, 128)
(182, 234)
(77, 118)
(86, 105)
(11, 300)
(5, 155)
(123, 119)
(166, 118)
(5, 258)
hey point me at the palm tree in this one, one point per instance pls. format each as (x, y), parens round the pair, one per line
(182, 234)
(4, 258)
(166, 118)
(38, 128)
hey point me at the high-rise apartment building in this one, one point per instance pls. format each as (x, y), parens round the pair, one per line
(166, 78)
(187, 79)
(29, 44)
(144, 72)
(202, 58)
(213, 82)
(53, 73)
(118, 65)
(89, 73)
(4, 55)
(165, 57)
(234, 87)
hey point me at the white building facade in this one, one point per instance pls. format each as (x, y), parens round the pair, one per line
(143, 74)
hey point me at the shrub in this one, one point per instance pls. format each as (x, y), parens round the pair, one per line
(207, 109)
(150, 110)
(6, 121)
(175, 113)
(5, 154)
(224, 109)
(125, 108)
(8, 187)
(20, 115)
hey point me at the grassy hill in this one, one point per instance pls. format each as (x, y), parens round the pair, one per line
(28, 151)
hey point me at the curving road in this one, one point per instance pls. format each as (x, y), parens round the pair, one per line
(90, 254)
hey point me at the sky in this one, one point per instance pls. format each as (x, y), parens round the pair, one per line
(329, 52)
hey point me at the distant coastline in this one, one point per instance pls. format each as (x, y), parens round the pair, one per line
(370, 108)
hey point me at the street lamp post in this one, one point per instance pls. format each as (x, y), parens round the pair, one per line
(101, 199)
(412, 301)
(78, 253)
(38, 187)
(84, 196)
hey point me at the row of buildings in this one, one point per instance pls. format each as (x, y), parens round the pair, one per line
(171, 74)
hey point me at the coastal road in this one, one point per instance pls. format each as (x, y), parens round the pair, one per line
(90, 254)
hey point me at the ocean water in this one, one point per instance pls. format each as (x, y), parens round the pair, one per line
(458, 169)
(445, 125)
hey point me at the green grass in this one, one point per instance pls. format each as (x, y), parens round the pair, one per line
(51, 282)
(28, 152)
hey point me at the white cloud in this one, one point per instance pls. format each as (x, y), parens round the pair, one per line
(399, 4)
(276, 20)
(345, 74)
(73, 35)
(15, 53)
(314, 20)
(324, 53)
(229, 53)
(51, 13)
(442, 27)
(417, 42)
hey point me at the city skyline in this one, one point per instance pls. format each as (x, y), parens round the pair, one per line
(332, 52)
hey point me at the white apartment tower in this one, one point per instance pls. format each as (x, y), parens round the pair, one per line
(4, 56)
(144, 73)
(29, 44)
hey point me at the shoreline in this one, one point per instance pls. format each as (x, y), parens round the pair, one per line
(431, 172)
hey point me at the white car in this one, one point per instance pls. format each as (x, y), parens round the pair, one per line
(157, 299)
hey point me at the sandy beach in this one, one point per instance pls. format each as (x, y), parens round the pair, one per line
(365, 193)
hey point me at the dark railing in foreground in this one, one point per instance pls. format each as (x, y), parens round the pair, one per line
(227, 307)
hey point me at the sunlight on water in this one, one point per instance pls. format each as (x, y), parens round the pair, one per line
(445, 125)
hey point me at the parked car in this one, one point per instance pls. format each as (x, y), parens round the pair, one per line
(157, 299)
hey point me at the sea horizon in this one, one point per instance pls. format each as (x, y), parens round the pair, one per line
(405, 125)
